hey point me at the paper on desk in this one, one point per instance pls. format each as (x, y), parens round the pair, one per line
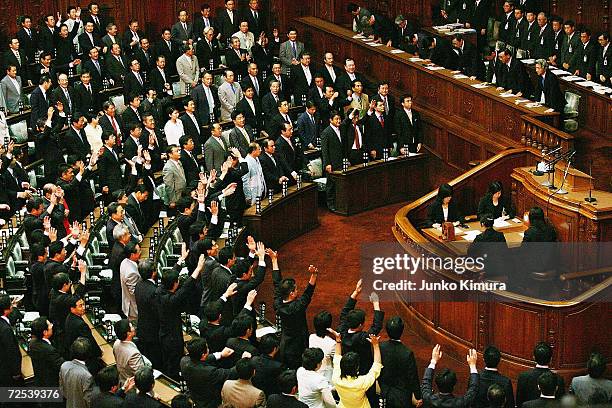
(521, 100)
(455, 72)
(572, 78)
(480, 85)
(374, 44)
(265, 330)
(434, 68)
(358, 36)
(156, 373)
(506, 95)
(516, 220)
(586, 83)
(560, 72)
(460, 76)
(471, 235)
(528, 61)
(30, 316)
(397, 51)
(415, 59)
(533, 105)
(458, 231)
(111, 317)
(500, 223)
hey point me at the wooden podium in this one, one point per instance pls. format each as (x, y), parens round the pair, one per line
(575, 181)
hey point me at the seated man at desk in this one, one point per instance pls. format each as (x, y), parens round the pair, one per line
(493, 203)
(489, 243)
(443, 209)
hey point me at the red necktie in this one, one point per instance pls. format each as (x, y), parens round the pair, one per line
(357, 146)
(66, 222)
(115, 129)
(382, 121)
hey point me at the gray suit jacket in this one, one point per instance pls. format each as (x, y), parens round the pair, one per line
(12, 96)
(128, 358)
(254, 183)
(214, 154)
(286, 54)
(229, 99)
(179, 34)
(129, 276)
(76, 384)
(584, 387)
(238, 140)
(188, 71)
(241, 394)
(174, 181)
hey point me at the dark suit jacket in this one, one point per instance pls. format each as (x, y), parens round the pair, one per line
(85, 43)
(383, 28)
(129, 116)
(343, 83)
(266, 374)
(552, 93)
(75, 144)
(527, 385)
(11, 355)
(161, 48)
(147, 62)
(199, 26)
(542, 403)
(96, 76)
(399, 378)
(106, 400)
(253, 119)
(269, 105)
(358, 341)
(202, 109)
(58, 95)
(273, 171)
(488, 378)
(136, 212)
(126, 39)
(193, 130)
(327, 77)
(238, 140)
(286, 89)
(22, 66)
(587, 56)
(46, 39)
(106, 125)
(256, 26)
(301, 87)
(99, 29)
(157, 82)
(307, 130)
(376, 136)
(75, 327)
(234, 63)
(332, 149)
(205, 381)
(515, 77)
(248, 81)
(263, 58)
(544, 43)
(225, 26)
(408, 133)
(435, 214)
(138, 400)
(131, 85)
(468, 61)
(115, 70)
(109, 171)
(147, 299)
(40, 105)
(274, 125)
(190, 167)
(205, 53)
(529, 36)
(28, 44)
(84, 101)
(293, 157)
(46, 362)
(447, 400)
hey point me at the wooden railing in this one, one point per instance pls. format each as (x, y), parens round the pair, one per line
(539, 135)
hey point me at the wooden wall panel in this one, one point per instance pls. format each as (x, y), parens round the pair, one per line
(504, 320)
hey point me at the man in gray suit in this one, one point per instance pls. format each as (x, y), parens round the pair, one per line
(11, 89)
(290, 51)
(188, 68)
(182, 31)
(174, 176)
(127, 356)
(254, 182)
(230, 94)
(215, 149)
(241, 135)
(75, 381)
(129, 277)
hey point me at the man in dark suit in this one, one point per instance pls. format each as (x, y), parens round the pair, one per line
(111, 122)
(478, 18)
(86, 100)
(436, 50)
(228, 21)
(28, 38)
(241, 135)
(267, 368)
(10, 369)
(302, 77)
(18, 58)
(40, 101)
(131, 38)
(317, 92)
(236, 58)
(48, 34)
(547, 385)
(408, 127)
(352, 130)
(527, 386)
(133, 82)
(382, 28)
(96, 18)
(116, 65)
(202, 22)
(256, 19)
(144, 381)
(206, 98)
(182, 30)
(147, 329)
(109, 167)
(76, 327)
(132, 113)
(519, 28)
(96, 68)
(110, 37)
(289, 149)
(285, 89)
(490, 376)
(134, 206)
(208, 49)
(215, 149)
(191, 124)
(513, 75)
(111, 395)
(399, 378)
(200, 368)
(89, 39)
(377, 130)
(122, 236)
(75, 139)
(144, 55)
(345, 80)
(64, 93)
(159, 78)
(269, 102)
(544, 40)
(329, 71)
(529, 36)
(172, 301)
(250, 107)
(309, 125)
(547, 88)
(46, 360)
(169, 50)
(252, 79)
(466, 58)
(291, 309)
(275, 123)
(332, 102)
(274, 169)
(333, 151)
(587, 56)
(603, 66)
(189, 161)
(446, 381)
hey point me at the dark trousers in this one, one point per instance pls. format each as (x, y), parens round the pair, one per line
(330, 193)
(172, 351)
(356, 156)
(152, 350)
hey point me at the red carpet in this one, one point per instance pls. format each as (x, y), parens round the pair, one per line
(334, 248)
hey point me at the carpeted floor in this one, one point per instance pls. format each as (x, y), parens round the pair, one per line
(334, 248)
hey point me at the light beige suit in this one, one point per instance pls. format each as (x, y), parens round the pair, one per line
(241, 394)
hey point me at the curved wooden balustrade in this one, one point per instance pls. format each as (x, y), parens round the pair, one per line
(513, 322)
(539, 135)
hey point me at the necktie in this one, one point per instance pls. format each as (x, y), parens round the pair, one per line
(95, 18)
(97, 65)
(29, 33)
(256, 16)
(294, 49)
(233, 89)
(139, 78)
(121, 62)
(357, 145)
(18, 57)
(206, 24)
(312, 120)
(185, 27)
(382, 121)
(68, 99)
(89, 89)
(246, 135)
(114, 125)
(287, 120)
(256, 84)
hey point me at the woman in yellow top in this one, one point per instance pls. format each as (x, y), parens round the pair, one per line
(350, 386)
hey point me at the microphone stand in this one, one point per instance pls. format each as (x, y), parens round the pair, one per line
(537, 172)
(590, 198)
(569, 163)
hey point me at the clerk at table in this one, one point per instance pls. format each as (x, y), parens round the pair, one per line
(443, 209)
(494, 203)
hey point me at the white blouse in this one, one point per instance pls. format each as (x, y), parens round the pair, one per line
(174, 131)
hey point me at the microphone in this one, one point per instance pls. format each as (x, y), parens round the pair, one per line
(590, 198)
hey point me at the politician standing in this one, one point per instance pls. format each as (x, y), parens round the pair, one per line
(332, 153)
(408, 127)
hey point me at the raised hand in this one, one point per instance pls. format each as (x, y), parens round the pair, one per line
(231, 290)
(374, 339)
(272, 254)
(313, 270)
(472, 357)
(251, 244)
(261, 250)
(436, 354)
(214, 208)
(251, 297)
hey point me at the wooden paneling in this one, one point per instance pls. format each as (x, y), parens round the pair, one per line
(530, 326)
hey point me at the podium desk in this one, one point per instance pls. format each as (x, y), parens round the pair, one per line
(285, 218)
(379, 183)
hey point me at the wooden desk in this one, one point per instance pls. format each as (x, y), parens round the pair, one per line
(448, 35)
(286, 218)
(511, 321)
(379, 183)
(461, 123)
